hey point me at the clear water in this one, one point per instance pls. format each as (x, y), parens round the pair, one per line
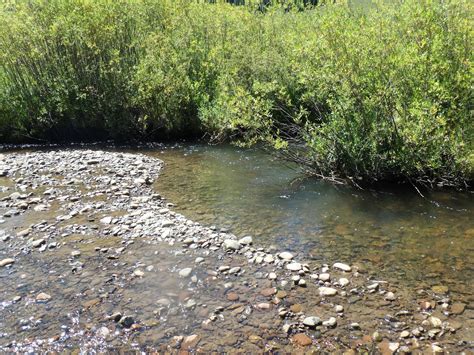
(397, 234)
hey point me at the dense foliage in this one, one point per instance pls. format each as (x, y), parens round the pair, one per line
(363, 90)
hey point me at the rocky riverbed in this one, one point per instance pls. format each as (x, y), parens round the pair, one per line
(92, 257)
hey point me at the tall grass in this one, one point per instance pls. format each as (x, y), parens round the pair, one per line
(357, 90)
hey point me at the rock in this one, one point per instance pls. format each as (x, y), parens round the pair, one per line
(7, 261)
(199, 260)
(341, 266)
(232, 296)
(264, 306)
(23, 233)
(106, 220)
(43, 297)
(339, 308)
(404, 334)
(234, 270)
(186, 272)
(272, 276)
(138, 273)
(269, 258)
(355, 326)
(390, 296)
(294, 266)
(267, 292)
(302, 283)
(246, 240)
(126, 321)
(103, 332)
(37, 243)
(285, 255)
(376, 337)
(296, 308)
(435, 322)
(312, 321)
(436, 349)
(330, 323)
(458, 308)
(440, 289)
(324, 277)
(230, 244)
(190, 342)
(281, 294)
(301, 339)
(75, 253)
(343, 281)
(327, 291)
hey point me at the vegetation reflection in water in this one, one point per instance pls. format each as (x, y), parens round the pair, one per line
(419, 241)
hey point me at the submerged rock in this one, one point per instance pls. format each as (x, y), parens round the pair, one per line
(7, 261)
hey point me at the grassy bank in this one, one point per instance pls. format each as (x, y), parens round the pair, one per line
(376, 91)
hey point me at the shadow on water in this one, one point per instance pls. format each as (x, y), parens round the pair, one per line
(414, 240)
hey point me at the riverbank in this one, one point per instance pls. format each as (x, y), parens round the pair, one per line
(94, 258)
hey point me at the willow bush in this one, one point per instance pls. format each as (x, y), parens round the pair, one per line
(352, 91)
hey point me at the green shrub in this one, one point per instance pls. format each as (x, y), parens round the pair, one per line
(357, 90)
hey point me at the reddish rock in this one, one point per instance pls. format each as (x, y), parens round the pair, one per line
(301, 339)
(267, 292)
(190, 342)
(232, 296)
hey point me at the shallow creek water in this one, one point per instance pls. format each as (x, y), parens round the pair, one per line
(130, 262)
(418, 241)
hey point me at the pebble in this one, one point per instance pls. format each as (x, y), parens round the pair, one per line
(190, 342)
(404, 334)
(312, 321)
(43, 297)
(341, 266)
(327, 291)
(343, 281)
(285, 255)
(7, 261)
(230, 244)
(138, 273)
(37, 243)
(294, 266)
(246, 240)
(330, 323)
(75, 253)
(435, 321)
(339, 308)
(324, 277)
(458, 308)
(440, 289)
(390, 296)
(186, 272)
(301, 339)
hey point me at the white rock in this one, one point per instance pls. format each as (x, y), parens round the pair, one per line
(324, 277)
(341, 266)
(106, 220)
(230, 244)
(246, 240)
(286, 255)
(327, 291)
(185, 272)
(294, 266)
(390, 296)
(330, 323)
(312, 321)
(435, 322)
(343, 281)
(7, 261)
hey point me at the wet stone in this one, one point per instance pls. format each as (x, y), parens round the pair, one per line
(301, 339)
(458, 308)
(6, 262)
(43, 297)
